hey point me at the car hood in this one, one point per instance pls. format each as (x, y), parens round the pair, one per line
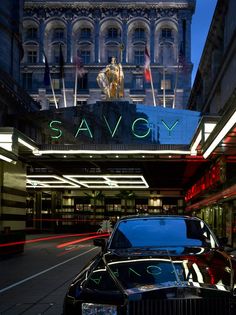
(140, 270)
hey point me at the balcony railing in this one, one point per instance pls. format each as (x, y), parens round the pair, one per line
(85, 38)
(28, 37)
(139, 38)
(163, 39)
(116, 39)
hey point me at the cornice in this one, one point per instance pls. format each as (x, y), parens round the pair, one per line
(126, 4)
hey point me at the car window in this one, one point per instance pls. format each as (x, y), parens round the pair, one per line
(161, 232)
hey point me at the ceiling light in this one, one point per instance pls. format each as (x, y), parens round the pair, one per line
(26, 144)
(227, 127)
(7, 159)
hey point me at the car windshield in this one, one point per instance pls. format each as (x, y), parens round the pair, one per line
(161, 232)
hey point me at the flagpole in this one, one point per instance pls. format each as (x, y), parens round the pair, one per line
(62, 74)
(53, 92)
(176, 82)
(164, 87)
(76, 83)
(153, 95)
(47, 75)
(64, 92)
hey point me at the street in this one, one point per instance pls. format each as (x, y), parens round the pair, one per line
(36, 281)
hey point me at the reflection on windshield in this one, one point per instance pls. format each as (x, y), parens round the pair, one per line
(162, 232)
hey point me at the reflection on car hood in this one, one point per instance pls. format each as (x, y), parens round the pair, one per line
(144, 269)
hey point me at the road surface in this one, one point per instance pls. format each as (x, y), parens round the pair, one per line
(36, 281)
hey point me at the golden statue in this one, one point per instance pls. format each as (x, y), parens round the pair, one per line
(111, 80)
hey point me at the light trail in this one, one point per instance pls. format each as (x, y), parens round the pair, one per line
(41, 239)
(82, 240)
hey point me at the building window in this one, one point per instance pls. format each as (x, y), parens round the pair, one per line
(138, 82)
(85, 33)
(58, 34)
(56, 54)
(112, 32)
(81, 102)
(112, 52)
(31, 33)
(51, 104)
(83, 82)
(139, 57)
(166, 32)
(56, 82)
(139, 33)
(85, 56)
(27, 80)
(31, 56)
(166, 84)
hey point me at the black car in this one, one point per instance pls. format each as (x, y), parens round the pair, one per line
(166, 265)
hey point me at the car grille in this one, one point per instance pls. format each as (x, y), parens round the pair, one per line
(212, 306)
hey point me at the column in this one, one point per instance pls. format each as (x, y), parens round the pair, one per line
(41, 40)
(124, 39)
(152, 40)
(38, 210)
(188, 40)
(96, 41)
(69, 42)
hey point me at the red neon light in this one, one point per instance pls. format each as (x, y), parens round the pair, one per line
(82, 240)
(214, 176)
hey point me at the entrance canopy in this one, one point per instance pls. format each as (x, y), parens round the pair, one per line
(117, 145)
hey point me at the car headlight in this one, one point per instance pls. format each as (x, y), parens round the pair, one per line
(98, 309)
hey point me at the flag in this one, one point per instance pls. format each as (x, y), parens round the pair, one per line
(61, 63)
(46, 72)
(79, 66)
(147, 72)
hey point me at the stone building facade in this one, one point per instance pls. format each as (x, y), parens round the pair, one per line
(95, 31)
(214, 95)
(15, 105)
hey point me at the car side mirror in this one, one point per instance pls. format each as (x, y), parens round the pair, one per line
(100, 242)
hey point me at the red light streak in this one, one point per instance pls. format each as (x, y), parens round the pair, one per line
(41, 239)
(82, 240)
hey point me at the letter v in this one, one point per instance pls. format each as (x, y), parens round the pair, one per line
(116, 126)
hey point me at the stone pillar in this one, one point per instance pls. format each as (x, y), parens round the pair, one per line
(152, 40)
(38, 210)
(188, 40)
(41, 40)
(124, 40)
(96, 41)
(69, 42)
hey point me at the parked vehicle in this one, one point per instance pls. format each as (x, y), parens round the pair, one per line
(156, 265)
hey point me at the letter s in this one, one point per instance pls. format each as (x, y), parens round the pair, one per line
(59, 132)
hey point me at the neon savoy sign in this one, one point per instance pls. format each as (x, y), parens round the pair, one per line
(139, 128)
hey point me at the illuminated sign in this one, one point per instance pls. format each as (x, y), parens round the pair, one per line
(211, 178)
(140, 127)
(121, 123)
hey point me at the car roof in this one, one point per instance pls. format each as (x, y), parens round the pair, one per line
(156, 217)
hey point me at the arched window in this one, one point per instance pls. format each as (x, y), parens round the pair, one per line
(85, 33)
(31, 33)
(85, 55)
(58, 34)
(166, 32)
(112, 32)
(139, 33)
